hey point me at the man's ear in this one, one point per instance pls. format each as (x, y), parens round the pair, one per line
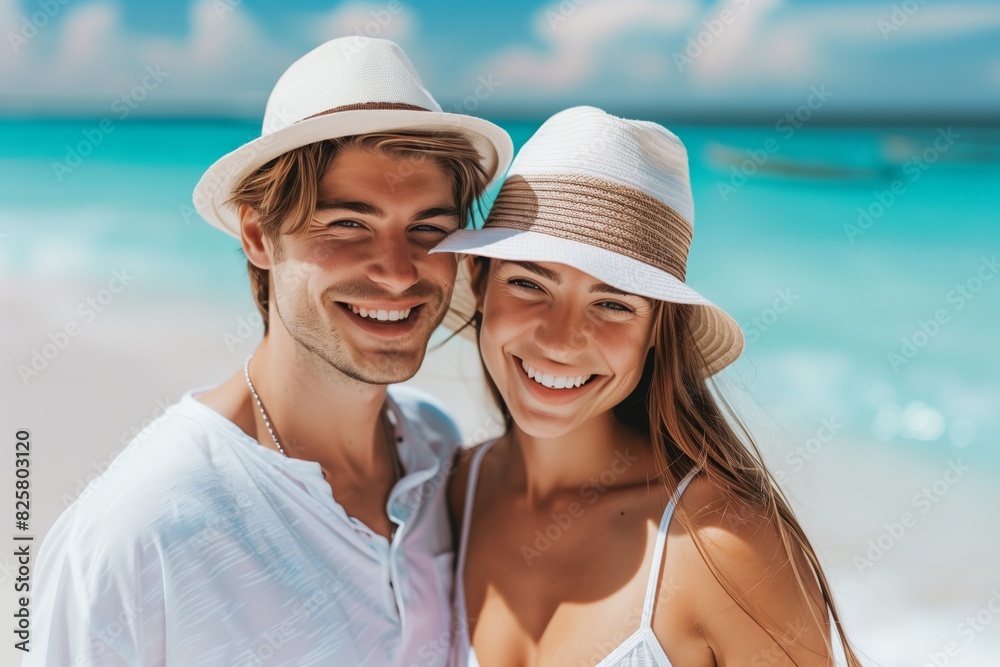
(477, 274)
(255, 245)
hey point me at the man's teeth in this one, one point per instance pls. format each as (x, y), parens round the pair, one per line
(382, 315)
(553, 381)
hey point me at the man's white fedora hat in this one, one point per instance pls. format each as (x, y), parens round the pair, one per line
(610, 197)
(347, 86)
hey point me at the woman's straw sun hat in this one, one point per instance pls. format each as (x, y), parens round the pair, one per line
(610, 197)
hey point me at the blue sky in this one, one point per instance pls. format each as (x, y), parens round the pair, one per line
(756, 58)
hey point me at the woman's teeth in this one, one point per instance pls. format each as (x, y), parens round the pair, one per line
(554, 381)
(382, 315)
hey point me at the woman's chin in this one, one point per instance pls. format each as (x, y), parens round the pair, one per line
(547, 426)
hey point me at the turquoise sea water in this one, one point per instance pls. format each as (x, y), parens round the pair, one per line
(860, 261)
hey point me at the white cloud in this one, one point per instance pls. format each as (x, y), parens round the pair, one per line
(741, 45)
(768, 43)
(939, 21)
(88, 36)
(227, 62)
(597, 20)
(10, 26)
(574, 40)
(394, 21)
(606, 51)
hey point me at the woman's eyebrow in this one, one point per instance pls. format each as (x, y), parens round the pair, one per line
(603, 288)
(536, 269)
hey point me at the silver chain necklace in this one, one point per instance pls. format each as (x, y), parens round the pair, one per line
(397, 466)
(260, 406)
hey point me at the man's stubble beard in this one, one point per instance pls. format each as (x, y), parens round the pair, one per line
(308, 328)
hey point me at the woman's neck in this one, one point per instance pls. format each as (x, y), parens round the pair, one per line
(601, 453)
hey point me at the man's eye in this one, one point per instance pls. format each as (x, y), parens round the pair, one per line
(430, 228)
(525, 284)
(344, 223)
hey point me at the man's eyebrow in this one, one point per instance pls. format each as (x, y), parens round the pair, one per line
(536, 269)
(364, 208)
(361, 207)
(603, 288)
(437, 212)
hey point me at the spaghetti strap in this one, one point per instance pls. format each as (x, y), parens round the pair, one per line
(661, 542)
(470, 497)
(639, 648)
(470, 493)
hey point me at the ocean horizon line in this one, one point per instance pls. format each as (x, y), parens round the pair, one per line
(687, 118)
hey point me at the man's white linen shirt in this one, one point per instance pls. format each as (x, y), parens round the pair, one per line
(198, 546)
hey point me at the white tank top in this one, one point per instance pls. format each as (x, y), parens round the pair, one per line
(640, 649)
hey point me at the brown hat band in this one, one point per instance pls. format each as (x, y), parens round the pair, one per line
(596, 212)
(369, 106)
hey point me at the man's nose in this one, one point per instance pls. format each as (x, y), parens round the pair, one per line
(394, 266)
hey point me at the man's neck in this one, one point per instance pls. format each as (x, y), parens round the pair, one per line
(316, 412)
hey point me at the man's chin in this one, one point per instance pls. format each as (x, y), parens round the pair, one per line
(383, 368)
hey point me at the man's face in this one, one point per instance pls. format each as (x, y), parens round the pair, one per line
(357, 287)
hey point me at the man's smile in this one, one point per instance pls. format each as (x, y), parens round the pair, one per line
(385, 319)
(382, 314)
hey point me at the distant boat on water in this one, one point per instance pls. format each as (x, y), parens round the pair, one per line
(760, 162)
(895, 152)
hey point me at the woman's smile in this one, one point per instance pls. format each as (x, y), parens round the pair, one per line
(554, 389)
(556, 381)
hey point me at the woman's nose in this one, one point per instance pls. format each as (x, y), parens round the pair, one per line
(563, 333)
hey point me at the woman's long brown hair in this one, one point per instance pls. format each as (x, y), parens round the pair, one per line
(690, 425)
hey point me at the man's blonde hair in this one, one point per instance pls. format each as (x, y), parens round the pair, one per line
(284, 192)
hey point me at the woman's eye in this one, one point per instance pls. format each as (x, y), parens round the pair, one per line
(615, 306)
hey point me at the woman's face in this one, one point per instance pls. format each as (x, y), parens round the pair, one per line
(561, 346)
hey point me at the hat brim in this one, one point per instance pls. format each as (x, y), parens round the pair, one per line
(216, 185)
(716, 333)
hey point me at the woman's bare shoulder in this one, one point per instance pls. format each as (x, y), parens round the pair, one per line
(742, 543)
